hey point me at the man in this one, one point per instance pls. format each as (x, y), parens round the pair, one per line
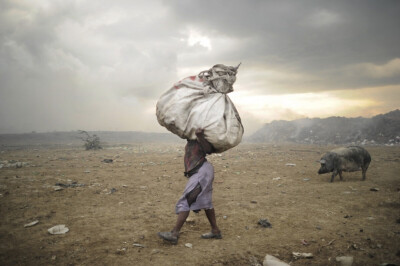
(198, 190)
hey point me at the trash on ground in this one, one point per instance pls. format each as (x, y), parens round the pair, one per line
(138, 245)
(12, 164)
(57, 188)
(276, 178)
(306, 179)
(58, 229)
(290, 164)
(299, 255)
(188, 245)
(121, 251)
(111, 191)
(304, 242)
(31, 223)
(264, 223)
(190, 220)
(345, 260)
(270, 260)
(73, 184)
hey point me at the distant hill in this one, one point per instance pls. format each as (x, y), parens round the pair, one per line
(74, 138)
(380, 129)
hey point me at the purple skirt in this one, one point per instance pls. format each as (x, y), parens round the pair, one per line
(204, 177)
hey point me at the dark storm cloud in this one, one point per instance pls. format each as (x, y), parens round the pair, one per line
(314, 37)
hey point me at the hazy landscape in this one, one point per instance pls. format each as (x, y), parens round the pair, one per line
(114, 210)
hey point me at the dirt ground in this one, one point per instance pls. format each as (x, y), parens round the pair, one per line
(113, 219)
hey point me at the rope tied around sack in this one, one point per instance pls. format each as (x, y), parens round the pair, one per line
(220, 77)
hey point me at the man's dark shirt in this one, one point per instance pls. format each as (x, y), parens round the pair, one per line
(195, 155)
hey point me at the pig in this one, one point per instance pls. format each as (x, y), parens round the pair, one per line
(349, 159)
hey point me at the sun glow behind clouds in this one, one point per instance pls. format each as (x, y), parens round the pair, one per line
(196, 37)
(266, 108)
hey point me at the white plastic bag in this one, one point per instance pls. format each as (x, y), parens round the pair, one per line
(201, 102)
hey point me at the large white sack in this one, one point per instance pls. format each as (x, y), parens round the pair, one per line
(202, 102)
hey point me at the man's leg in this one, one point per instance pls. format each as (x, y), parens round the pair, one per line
(213, 222)
(173, 236)
(179, 223)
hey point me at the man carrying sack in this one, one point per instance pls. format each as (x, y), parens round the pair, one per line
(222, 135)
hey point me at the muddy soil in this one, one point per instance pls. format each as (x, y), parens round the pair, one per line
(114, 210)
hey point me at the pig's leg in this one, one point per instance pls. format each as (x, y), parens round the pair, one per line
(364, 171)
(341, 176)
(334, 173)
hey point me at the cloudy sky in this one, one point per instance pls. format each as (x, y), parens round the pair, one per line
(102, 65)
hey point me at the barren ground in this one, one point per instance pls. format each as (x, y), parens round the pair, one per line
(335, 219)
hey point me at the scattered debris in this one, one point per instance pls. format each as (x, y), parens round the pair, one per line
(57, 188)
(345, 260)
(265, 223)
(330, 243)
(155, 251)
(188, 245)
(299, 255)
(270, 260)
(138, 245)
(306, 179)
(276, 178)
(73, 184)
(31, 223)
(111, 191)
(374, 189)
(347, 216)
(224, 217)
(107, 161)
(190, 220)
(304, 242)
(121, 251)
(58, 229)
(290, 164)
(12, 164)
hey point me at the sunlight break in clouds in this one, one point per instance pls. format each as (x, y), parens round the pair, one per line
(275, 107)
(196, 37)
